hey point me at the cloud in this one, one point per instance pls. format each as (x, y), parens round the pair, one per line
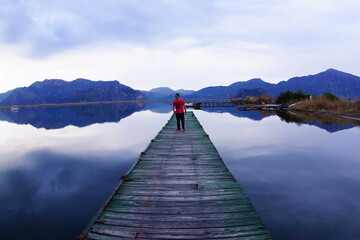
(50, 27)
(141, 67)
(162, 42)
(53, 26)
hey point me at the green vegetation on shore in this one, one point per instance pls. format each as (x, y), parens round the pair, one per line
(290, 97)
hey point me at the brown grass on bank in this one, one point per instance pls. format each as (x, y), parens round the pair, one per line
(264, 98)
(251, 99)
(333, 106)
(267, 99)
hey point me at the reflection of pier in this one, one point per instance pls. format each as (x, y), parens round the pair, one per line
(241, 107)
(180, 188)
(199, 105)
(262, 107)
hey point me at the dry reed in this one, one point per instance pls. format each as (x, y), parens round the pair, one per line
(333, 106)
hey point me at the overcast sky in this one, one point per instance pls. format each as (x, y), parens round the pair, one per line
(186, 44)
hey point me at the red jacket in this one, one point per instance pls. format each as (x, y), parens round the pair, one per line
(179, 105)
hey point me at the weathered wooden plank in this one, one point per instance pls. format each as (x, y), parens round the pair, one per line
(179, 198)
(177, 177)
(184, 193)
(197, 234)
(198, 186)
(149, 203)
(217, 185)
(179, 217)
(182, 224)
(179, 189)
(213, 172)
(180, 165)
(175, 231)
(182, 210)
(101, 236)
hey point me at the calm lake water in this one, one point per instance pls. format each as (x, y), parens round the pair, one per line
(58, 165)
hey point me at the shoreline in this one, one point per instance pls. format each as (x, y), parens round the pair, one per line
(105, 102)
(78, 104)
(352, 117)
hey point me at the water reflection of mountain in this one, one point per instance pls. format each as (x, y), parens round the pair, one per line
(80, 116)
(165, 107)
(85, 115)
(326, 122)
(158, 107)
(253, 115)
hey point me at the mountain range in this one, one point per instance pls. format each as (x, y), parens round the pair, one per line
(342, 84)
(60, 91)
(164, 93)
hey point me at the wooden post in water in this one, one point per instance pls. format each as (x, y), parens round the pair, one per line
(179, 188)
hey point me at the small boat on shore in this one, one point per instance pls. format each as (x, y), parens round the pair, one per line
(14, 109)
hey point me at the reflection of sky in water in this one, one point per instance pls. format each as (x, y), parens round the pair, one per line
(303, 180)
(52, 182)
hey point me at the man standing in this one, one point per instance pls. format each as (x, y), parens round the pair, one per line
(179, 110)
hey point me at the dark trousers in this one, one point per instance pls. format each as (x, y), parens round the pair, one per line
(180, 117)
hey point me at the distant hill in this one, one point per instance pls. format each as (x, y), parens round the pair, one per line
(225, 92)
(79, 90)
(184, 92)
(341, 84)
(3, 96)
(243, 93)
(163, 93)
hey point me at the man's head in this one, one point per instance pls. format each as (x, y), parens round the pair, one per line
(177, 95)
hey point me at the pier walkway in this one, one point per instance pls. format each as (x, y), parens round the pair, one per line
(179, 188)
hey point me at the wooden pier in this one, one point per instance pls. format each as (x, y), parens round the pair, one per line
(262, 107)
(199, 105)
(179, 188)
